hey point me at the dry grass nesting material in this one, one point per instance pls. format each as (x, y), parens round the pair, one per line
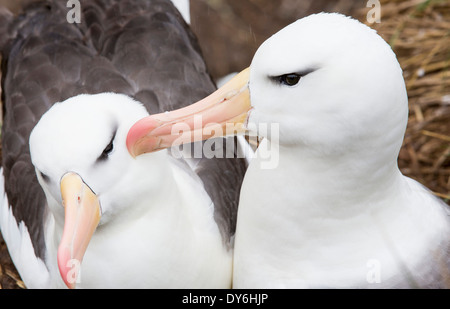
(419, 33)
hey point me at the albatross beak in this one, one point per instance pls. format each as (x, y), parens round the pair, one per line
(82, 215)
(224, 112)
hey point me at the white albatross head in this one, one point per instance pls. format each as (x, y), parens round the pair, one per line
(79, 152)
(329, 81)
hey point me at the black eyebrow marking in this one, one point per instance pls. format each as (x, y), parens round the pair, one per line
(301, 73)
(104, 156)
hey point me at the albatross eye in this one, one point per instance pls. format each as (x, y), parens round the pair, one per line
(290, 79)
(107, 151)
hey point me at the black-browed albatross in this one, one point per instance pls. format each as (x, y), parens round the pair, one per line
(335, 211)
(160, 221)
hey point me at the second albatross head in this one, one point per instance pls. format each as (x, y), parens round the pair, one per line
(327, 80)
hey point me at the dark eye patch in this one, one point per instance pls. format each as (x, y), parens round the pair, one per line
(108, 149)
(291, 79)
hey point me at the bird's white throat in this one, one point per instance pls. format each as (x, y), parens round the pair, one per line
(331, 208)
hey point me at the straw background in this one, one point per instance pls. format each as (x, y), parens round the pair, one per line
(230, 31)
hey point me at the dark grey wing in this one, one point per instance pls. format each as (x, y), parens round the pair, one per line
(150, 44)
(29, 83)
(46, 60)
(5, 20)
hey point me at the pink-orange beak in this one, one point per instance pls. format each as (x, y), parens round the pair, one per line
(82, 215)
(224, 112)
